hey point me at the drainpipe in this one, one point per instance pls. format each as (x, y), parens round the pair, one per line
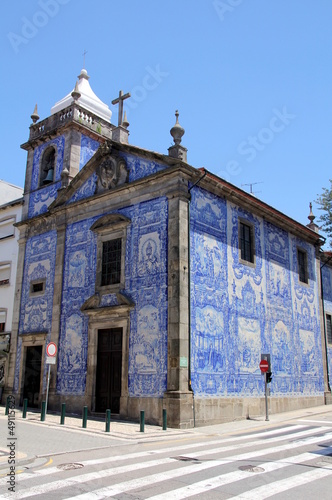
(324, 323)
(189, 296)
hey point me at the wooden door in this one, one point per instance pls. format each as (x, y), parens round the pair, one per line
(32, 375)
(109, 370)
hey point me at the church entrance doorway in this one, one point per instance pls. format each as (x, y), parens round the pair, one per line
(32, 375)
(109, 367)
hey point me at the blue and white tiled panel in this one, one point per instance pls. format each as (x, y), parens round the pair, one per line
(36, 311)
(241, 311)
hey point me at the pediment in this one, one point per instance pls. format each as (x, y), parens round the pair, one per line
(106, 170)
(110, 221)
(114, 303)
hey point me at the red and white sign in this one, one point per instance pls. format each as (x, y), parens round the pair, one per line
(51, 349)
(264, 366)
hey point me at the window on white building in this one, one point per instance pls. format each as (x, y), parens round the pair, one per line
(5, 268)
(7, 227)
(2, 320)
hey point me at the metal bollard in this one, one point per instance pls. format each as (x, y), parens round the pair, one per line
(43, 411)
(7, 405)
(164, 420)
(25, 405)
(142, 421)
(63, 414)
(85, 416)
(108, 420)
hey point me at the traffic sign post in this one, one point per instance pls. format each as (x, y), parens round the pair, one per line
(264, 366)
(51, 350)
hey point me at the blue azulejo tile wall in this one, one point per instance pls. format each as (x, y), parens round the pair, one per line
(145, 285)
(327, 291)
(36, 308)
(242, 310)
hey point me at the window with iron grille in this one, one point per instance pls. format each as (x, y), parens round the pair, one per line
(246, 241)
(302, 265)
(111, 262)
(329, 328)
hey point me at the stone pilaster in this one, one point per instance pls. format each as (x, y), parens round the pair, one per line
(178, 400)
(72, 152)
(57, 297)
(27, 184)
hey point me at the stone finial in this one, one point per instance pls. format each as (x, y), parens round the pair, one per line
(177, 131)
(35, 117)
(76, 94)
(177, 150)
(64, 177)
(312, 217)
(125, 122)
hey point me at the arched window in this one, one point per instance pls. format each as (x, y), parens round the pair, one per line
(47, 169)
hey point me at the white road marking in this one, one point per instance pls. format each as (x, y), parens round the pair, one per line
(174, 473)
(284, 484)
(123, 487)
(232, 477)
(52, 470)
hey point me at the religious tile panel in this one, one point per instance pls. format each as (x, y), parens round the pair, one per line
(327, 290)
(42, 197)
(145, 286)
(37, 292)
(88, 148)
(86, 190)
(38, 283)
(327, 282)
(78, 286)
(209, 302)
(240, 309)
(141, 167)
(146, 283)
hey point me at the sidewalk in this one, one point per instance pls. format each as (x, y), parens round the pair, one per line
(131, 430)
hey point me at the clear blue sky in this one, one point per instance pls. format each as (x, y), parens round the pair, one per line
(252, 80)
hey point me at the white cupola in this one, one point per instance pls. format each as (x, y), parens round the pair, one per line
(87, 99)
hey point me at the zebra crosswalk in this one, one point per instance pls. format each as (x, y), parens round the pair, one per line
(284, 459)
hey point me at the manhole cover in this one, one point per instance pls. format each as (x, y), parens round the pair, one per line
(326, 463)
(70, 466)
(251, 468)
(187, 459)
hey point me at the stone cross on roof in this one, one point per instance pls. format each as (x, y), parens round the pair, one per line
(120, 100)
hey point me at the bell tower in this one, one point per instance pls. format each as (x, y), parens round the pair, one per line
(61, 144)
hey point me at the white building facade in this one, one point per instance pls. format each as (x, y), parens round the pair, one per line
(10, 212)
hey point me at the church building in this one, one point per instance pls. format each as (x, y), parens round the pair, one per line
(161, 285)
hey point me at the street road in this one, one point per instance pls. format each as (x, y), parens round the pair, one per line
(292, 460)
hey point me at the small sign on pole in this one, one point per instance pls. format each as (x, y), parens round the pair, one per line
(264, 366)
(51, 350)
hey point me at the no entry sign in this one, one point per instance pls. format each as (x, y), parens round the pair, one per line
(264, 365)
(51, 349)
